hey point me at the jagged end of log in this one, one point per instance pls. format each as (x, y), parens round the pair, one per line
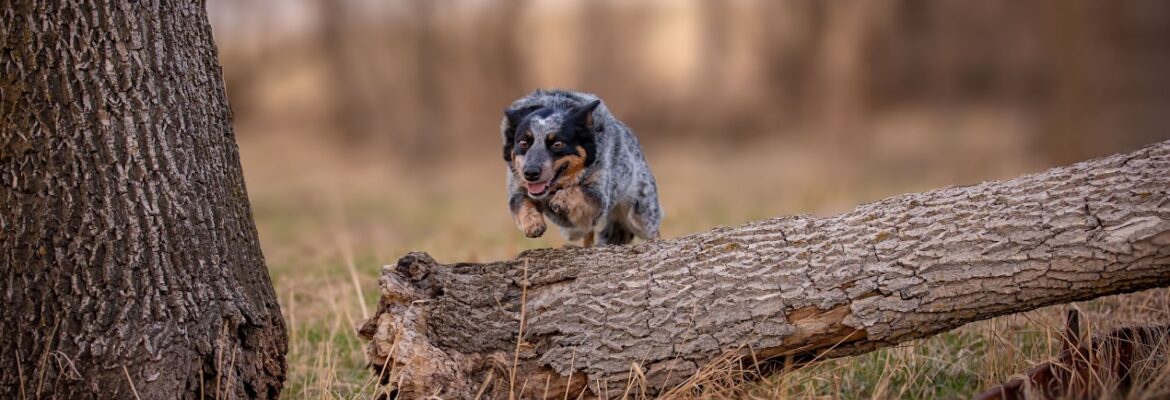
(651, 315)
(403, 356)
(400, 351)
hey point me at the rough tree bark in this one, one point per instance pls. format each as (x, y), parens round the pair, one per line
(130, 262)
(903, 268)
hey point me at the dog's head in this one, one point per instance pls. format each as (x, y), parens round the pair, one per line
(548, 148)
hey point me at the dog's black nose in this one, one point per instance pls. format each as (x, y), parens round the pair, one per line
(532, 174)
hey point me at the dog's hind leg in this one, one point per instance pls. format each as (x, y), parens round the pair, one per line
(615, 233)
(643, 220)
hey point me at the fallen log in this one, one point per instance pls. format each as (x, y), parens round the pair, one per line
(648, 316)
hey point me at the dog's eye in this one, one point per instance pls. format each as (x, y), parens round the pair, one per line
(557, 145)
(523, 144)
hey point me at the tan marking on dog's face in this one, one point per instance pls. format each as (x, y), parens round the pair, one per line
(529, 220)
(575, 166)
(518, 167)
(517, 158)
(518, 171)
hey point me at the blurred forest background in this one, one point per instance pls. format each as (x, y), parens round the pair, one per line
(1070, 78)
(369, 128)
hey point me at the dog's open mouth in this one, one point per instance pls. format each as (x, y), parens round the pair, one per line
(538, 188)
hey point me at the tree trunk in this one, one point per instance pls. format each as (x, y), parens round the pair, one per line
(800, 287)
(131, 266)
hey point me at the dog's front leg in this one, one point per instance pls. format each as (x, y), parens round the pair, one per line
(527, 217)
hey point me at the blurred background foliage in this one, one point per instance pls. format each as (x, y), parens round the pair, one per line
(1061, 80)
(369, 128)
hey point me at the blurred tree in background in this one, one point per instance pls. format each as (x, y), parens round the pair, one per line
(1061, 79)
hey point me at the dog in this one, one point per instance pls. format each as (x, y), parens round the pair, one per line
(572, 161)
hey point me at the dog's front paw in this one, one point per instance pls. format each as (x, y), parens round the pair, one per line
(573, 204)
(533, 228)
(529, 219)
(564, 201)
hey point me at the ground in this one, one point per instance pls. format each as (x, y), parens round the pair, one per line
(329, 219)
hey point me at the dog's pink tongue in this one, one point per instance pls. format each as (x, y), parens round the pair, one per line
(537, 187)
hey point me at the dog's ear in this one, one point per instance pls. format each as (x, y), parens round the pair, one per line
(515, 115)
(584, 114)
(512, 117)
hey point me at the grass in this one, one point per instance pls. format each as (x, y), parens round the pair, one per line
(329, 220)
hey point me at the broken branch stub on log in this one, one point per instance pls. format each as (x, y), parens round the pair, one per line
(903, 268)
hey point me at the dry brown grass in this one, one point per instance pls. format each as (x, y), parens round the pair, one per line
(329, 219)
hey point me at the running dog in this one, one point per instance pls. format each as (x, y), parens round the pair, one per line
(570, 160)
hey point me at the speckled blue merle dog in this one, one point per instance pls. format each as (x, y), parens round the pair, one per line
(570, 160)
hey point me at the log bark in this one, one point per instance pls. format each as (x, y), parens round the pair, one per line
(129, 262)
(655, 313)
